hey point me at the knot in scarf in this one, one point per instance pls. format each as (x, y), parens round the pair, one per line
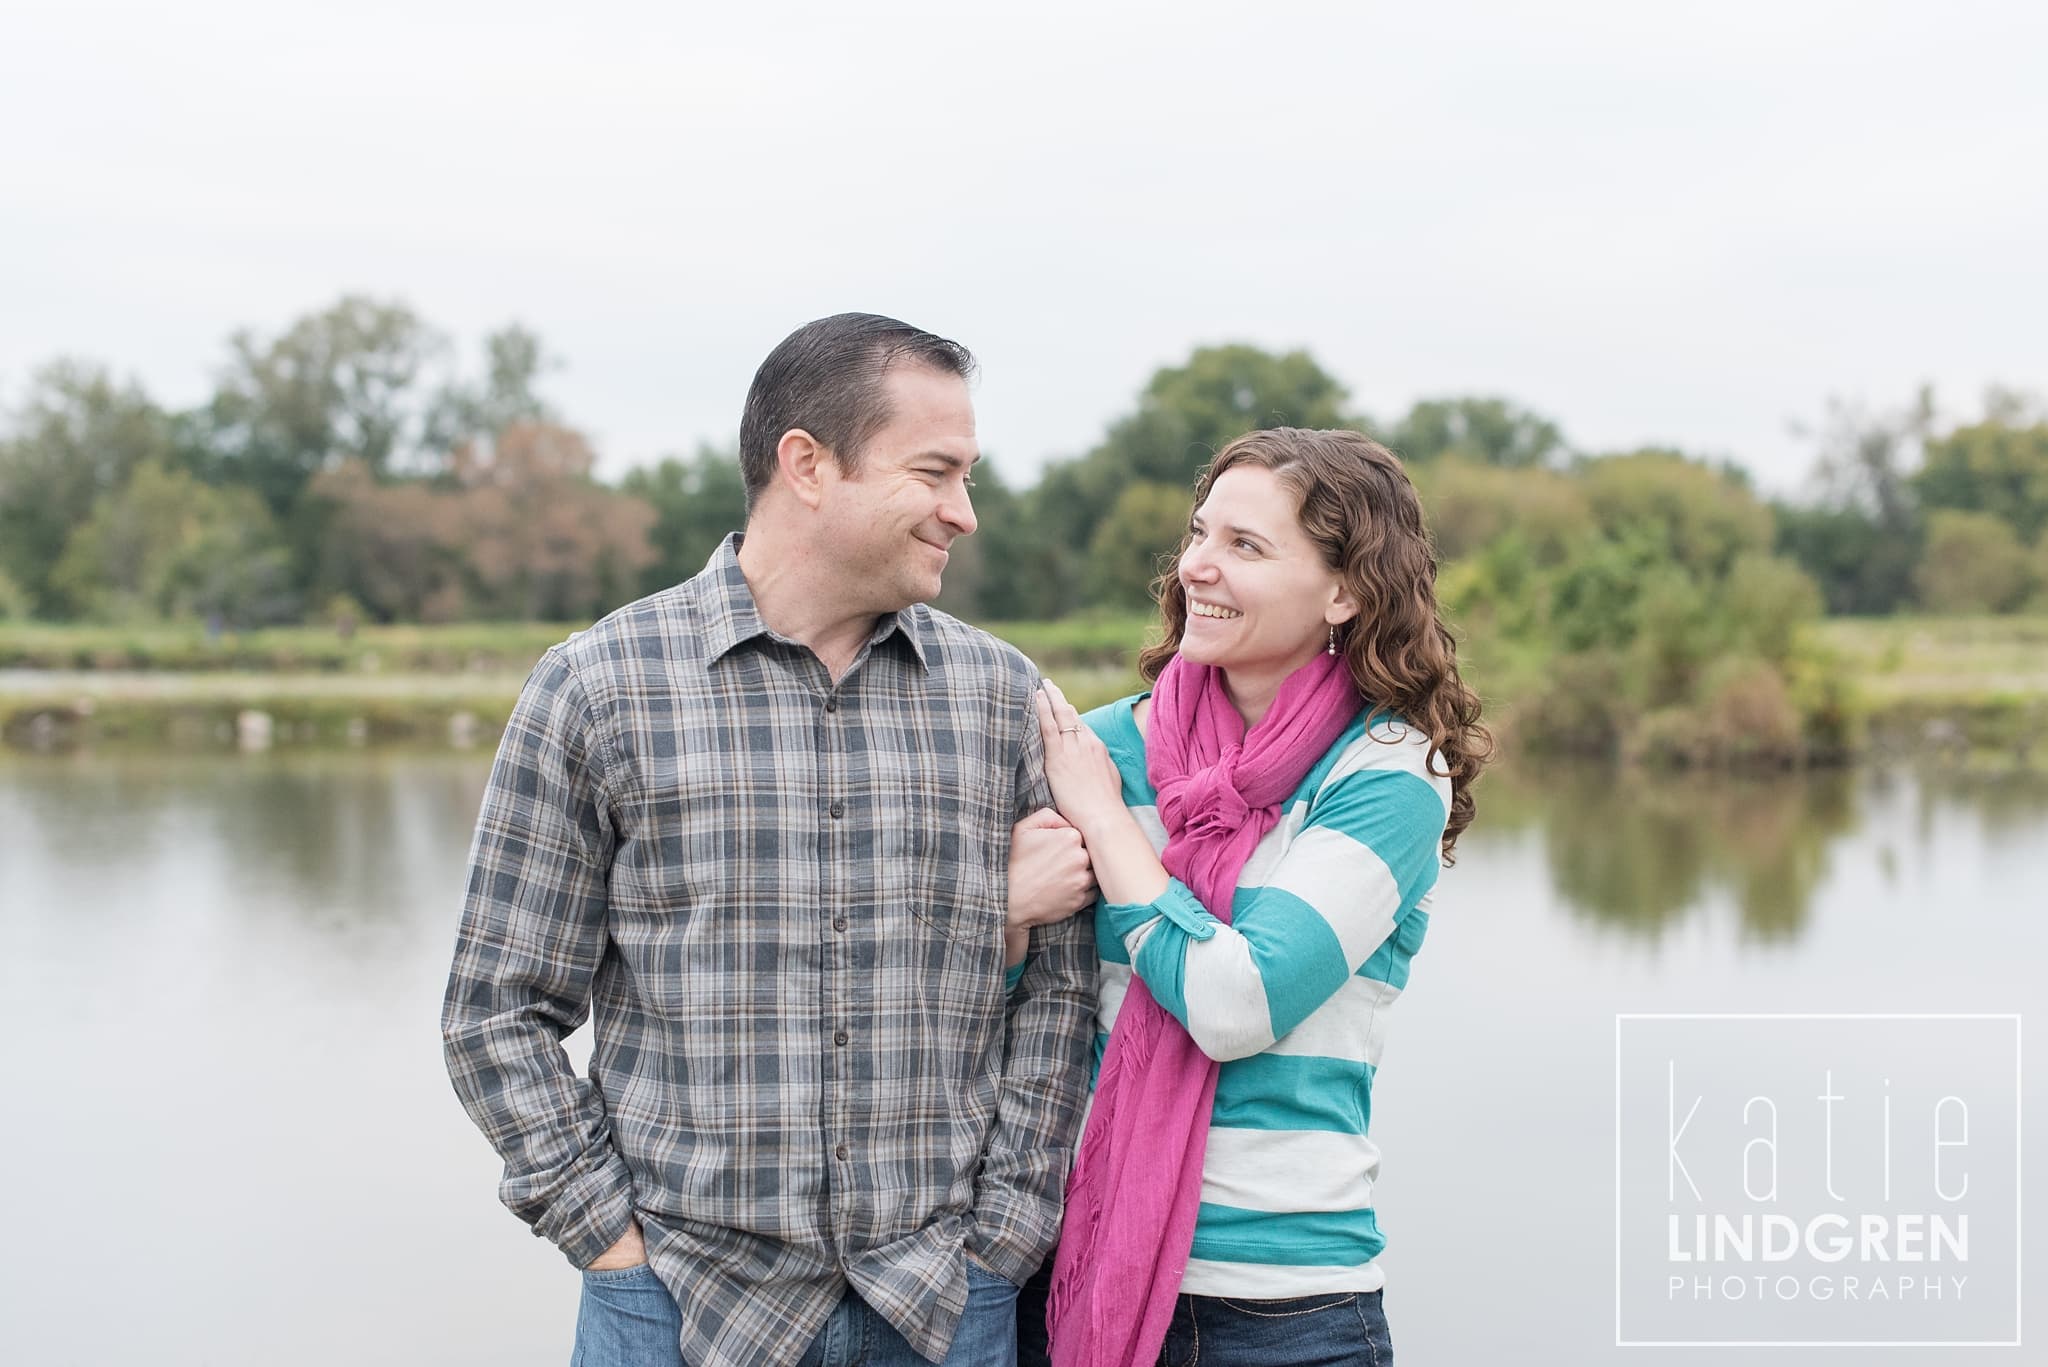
(1206, 805)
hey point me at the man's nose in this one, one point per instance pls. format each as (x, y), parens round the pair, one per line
(956, 510)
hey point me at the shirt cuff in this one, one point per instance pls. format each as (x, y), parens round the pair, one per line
(1177, 904)
(592, 1213)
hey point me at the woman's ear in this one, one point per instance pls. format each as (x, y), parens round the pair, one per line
(1342, 608)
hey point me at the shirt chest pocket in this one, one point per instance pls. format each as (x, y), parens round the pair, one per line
(957, 852)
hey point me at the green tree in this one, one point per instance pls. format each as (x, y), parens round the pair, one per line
(1703, 517)
(1991, 468)
(164, 545)
(997, 574)
(1862, 568)
(514, 362)
(1972, 563)
(1135, 544)
(1185, 415)
(340, 384)
(695, 502)
(1488, 431)
(14, 600)
(1472, 506)
(1860, 539)
(76, 439)
(1764, 603)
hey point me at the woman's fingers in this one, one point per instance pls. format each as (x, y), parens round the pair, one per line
(1048, 722)
(1056, 715)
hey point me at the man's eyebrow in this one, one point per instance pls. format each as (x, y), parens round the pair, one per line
(951, 461)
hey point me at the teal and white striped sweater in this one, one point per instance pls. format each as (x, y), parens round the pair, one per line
(1292, 996)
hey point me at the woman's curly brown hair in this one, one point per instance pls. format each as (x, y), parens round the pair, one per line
(1356, 503)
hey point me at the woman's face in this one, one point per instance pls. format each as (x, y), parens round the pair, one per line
(1260, 599)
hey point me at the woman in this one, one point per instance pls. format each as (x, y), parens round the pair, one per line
(1266, 827)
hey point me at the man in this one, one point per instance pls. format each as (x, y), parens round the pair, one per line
(758, 826)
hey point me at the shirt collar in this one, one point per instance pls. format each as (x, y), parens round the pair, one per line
(731, 617)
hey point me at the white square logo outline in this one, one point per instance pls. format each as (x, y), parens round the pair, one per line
(2018, 1188)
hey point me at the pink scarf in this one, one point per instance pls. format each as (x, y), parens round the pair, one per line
(1137, 1184)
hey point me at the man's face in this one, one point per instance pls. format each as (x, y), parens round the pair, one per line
(889, 527)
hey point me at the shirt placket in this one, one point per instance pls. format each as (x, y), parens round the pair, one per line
(843, 825)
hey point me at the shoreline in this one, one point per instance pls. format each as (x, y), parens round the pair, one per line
(1967, 692)
(255, 712)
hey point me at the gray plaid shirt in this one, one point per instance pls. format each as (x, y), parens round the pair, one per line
(782, 901)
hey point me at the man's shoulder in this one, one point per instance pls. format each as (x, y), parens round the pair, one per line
(657, 627)
(962, 646)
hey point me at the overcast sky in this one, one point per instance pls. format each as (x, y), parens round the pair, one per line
(1675, 223)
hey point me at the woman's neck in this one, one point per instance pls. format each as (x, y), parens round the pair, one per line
(1253, 691)
(1252, 694)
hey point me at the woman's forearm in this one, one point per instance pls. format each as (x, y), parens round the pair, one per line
(1126, 869)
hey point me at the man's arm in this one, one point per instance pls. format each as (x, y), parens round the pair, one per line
(533, 933)
(1018, 1196)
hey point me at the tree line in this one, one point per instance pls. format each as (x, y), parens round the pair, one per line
(352, 467)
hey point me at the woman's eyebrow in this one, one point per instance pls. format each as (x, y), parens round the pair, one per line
(1235, 530)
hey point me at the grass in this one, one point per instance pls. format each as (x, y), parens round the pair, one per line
(475, 647)
(469, 647)
(1944, 659)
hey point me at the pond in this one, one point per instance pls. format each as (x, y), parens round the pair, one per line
(231, 1139)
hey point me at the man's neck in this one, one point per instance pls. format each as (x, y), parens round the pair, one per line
(797, 595)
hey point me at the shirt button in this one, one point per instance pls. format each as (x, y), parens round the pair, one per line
(831, 704)
(838, 923)
(839, 1152)
(839, 1038)
(837, 809)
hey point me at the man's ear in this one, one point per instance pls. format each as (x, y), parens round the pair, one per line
(800, 462)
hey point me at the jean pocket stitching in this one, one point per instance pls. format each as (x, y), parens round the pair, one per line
(1247, 1307)
(615, 1275)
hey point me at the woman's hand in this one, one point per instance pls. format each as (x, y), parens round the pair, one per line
(1085, 781)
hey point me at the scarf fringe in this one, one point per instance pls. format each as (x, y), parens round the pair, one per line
(1096, 1168)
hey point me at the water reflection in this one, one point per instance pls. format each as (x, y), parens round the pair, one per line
(328, 838)
(334, 841)
(1644, 852)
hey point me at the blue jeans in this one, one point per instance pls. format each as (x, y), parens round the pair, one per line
(1347, 1329)
(628, 1319)
(1308, 1331)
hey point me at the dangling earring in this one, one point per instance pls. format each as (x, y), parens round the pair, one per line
(1331, 649)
